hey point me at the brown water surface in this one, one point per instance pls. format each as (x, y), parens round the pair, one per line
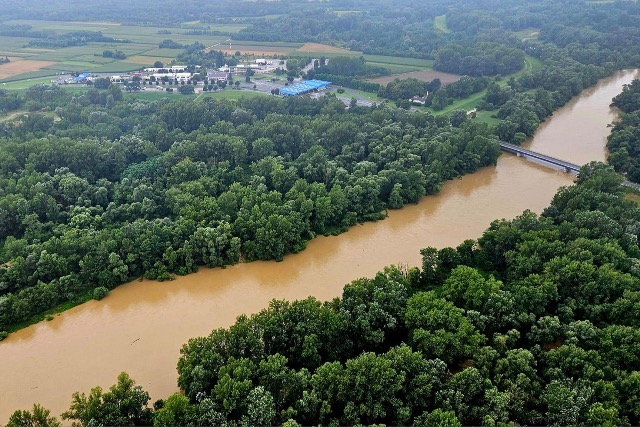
(578, 132)
(140, 326)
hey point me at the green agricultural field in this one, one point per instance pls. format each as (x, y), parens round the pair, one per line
(14, 53)
(23, 84)
(399, 60)
(268, 44)
(119, 67)
(164, 53)
(30, 75)
(396, 68)
(13, 43)
(80, 64)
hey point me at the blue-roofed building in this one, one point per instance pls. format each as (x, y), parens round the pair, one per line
(82, 77)
(304, 87)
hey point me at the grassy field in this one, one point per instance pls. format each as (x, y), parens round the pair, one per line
(354, 93)
(486, 117)
(440, 24)
(23, 84)
(221, 94)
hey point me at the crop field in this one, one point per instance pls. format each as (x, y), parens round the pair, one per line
(19, 66)
(258, 48)
(141, 49)
(322, 48)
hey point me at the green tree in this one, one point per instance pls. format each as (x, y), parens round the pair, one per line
(125, 404)
(174, 411)
(37, 417)
(438, 418)
(439, 329)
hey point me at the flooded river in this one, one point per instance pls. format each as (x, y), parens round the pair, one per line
(140, 326)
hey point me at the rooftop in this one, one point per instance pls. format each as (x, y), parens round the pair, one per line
(304, 87)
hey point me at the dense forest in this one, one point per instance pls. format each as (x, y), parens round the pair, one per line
(624, 141)
(533, 323)
(120, 189)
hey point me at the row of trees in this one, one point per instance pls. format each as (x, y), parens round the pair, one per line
(479, 59)
(533, 323)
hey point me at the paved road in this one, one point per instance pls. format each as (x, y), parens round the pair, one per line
(309, 66)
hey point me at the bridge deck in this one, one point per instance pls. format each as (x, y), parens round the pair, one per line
(542, 157)
(552, 160)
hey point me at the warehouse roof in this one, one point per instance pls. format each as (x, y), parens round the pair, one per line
(304, 87)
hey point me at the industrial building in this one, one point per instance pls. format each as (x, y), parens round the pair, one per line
(304, 87)
(81, 78)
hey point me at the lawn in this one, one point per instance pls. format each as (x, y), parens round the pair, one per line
(440, 24)
(485, 117)
(221, 94)
(367, 95)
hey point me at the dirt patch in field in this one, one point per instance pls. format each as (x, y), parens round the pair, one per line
(20, 65)
(321, 48)
(426, 76)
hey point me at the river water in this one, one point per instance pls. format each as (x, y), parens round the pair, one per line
(140, 326)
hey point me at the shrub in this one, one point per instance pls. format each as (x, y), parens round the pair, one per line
(100, 292)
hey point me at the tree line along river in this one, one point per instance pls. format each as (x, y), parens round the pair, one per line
(140, 326)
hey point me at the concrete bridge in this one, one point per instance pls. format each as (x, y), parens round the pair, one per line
(552, 161)
(515, 149)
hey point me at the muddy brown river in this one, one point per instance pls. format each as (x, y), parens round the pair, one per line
(140, 326)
